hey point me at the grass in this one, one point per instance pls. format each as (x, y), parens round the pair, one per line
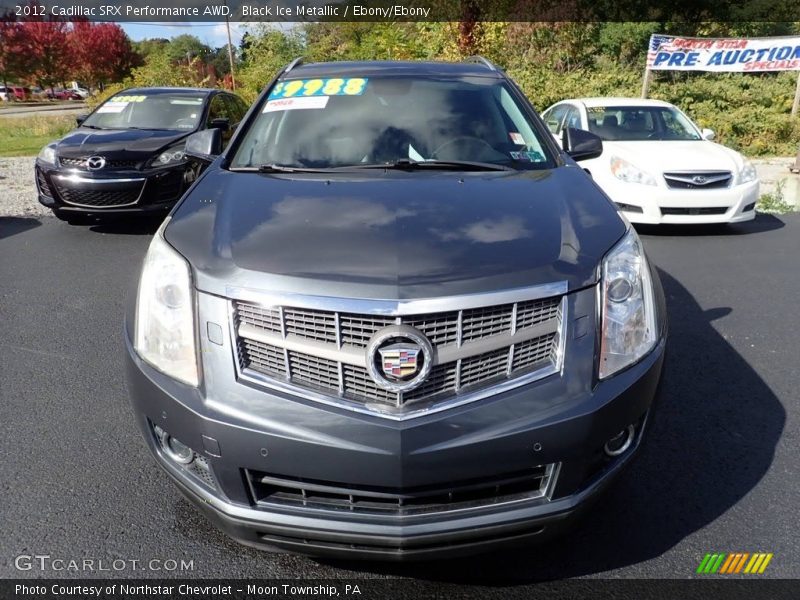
(25, 136)
(773, 202)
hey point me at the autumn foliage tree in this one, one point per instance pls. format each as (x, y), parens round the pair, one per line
(15, 61)
(101, 52)
(49, 51)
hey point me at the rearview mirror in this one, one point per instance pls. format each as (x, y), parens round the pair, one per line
(708, 134)
(80, 119)
(580, 144)
(204, 145)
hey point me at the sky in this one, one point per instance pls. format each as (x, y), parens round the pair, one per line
(213, 34)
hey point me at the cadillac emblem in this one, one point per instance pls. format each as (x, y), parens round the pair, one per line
(399, 358)
(399, 361)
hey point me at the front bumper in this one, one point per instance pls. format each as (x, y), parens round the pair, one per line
(657, 205)
(563, 420)
(67, 190)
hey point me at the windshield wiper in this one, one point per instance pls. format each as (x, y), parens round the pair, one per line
(92, 126)
(448, 165)
(275, 168)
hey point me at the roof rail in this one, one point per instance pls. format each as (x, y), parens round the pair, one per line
(480, 60)
(295, 63)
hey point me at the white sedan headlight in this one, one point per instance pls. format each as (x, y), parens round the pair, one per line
(48, 154)
(165, 335)
(170, 156)
(748, 173)
(630, 173)
(628, 320)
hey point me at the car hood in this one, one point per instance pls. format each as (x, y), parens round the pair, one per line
(664, 156)
(131, 144)
(395, 235)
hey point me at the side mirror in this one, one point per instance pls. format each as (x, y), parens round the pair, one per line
(204, 145)
(580, 144)
(708, 134)
(221, 124)
(80, 119)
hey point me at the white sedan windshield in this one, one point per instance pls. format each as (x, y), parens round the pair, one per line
(631, 123)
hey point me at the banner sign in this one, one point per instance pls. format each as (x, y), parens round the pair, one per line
(740, 55)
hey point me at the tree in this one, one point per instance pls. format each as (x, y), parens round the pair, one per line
(185, 47)
(15, 61)
(102, 52)
(47, 42)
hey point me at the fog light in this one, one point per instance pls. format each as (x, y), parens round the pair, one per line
(620, 442)
(178, 451)
(173, 447)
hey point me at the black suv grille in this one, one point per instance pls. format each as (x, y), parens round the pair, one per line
(93, 197)
(275, 491)
(80, 163)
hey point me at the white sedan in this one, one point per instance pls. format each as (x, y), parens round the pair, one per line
(657, 165)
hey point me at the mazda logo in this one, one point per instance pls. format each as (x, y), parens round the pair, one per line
(93, 163)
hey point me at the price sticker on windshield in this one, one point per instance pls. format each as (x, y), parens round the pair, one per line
(336, 86)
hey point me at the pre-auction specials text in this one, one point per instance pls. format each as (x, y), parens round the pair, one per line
(185, 589)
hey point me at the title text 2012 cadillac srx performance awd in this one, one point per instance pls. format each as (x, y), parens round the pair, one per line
(393, 319)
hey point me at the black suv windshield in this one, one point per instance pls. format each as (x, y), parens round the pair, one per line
(148, 111)
(401, 121)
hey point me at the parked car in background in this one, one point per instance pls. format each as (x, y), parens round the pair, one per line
(127, 156)
(21, 93)
(657, 165)
(61, 94)
(5, 93)
(393, 320)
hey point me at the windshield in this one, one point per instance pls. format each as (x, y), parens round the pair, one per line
(352, 122)
(143, 111)
(631, 123)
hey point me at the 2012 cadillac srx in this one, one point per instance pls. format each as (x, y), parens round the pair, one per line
(393, 319)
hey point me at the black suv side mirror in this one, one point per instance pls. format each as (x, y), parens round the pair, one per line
(222, 124)
(80, 119)
(580, 144)
(204, 145)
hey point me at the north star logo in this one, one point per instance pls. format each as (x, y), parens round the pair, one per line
(94, 163)
(399, 361)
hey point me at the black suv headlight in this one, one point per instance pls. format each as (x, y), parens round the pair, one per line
(629, 317)
(170, 156)
(165, 335)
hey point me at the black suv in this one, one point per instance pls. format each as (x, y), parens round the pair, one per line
(128, 155)
(393, 319)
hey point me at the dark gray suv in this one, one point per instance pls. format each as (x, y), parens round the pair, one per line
(393, 319)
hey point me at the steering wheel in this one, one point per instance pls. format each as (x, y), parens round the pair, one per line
(185, 123)
(476, 142)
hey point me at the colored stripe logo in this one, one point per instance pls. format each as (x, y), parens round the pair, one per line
(722, 563)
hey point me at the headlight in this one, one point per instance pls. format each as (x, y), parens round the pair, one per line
(630, 173)
(48, 154)
(748, 173)
(169, 157)
(165, 335)
(628, 321)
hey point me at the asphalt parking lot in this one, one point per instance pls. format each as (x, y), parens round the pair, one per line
(719, 472)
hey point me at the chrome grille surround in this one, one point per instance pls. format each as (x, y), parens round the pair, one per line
(315, 347)
(698, 180)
